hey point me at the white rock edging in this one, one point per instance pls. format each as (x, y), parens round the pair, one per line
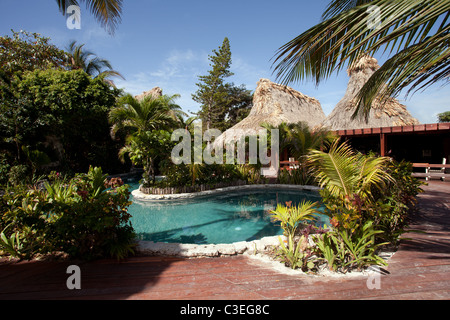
(206, 250)
(138, 195)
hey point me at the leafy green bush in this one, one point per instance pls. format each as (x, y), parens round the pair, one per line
(299, 176)
(85, 217)
(295, 253)
(392, 208)
(345, 250)
(368, 200)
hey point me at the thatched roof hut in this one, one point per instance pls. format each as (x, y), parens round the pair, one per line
(156, 92)
(387, 114)
(274, 103)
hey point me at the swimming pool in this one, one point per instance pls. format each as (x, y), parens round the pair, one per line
(216, 219)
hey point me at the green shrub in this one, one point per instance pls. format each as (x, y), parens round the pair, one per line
(85, 217)
(344, 250)
(295, 254)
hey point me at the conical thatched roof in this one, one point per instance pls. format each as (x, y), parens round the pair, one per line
(274, 103)
(388, 114)
(156, 92)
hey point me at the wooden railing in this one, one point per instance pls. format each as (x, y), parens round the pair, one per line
(430, 170)
(289, 165)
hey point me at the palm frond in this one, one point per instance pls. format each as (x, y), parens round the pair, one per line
(107, 12)
(335, 169)
(347, 35)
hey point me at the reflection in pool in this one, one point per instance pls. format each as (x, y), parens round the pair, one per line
(221, 218)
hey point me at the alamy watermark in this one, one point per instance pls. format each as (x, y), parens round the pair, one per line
(74, 281)
(374, 19)
(235, 148)
(73, 21)
(374, 279)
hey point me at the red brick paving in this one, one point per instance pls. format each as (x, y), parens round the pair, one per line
(419, 270)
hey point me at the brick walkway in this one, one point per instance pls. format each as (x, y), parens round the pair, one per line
(419, 270)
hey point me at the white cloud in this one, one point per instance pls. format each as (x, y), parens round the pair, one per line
(176, 74)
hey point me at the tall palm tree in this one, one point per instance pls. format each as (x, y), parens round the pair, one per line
(133, 115)
(174, 109)
(89, 62)
(107, 12)
(146, 123)
(415, 33)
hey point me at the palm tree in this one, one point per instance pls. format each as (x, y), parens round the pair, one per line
(133, 115)
(415, 32)
(107, 12)
(89, 62)
(299, 138)
(146, 123)
(175, 110)
(345, 174)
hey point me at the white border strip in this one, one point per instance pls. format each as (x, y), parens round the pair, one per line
(140, 196)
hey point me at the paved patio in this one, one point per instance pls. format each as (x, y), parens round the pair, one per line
(419, 270)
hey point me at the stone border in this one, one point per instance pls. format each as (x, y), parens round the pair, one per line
(210, 250)
(206, 250)
(138, 195)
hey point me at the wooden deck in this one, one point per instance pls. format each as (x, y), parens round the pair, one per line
(419, 270)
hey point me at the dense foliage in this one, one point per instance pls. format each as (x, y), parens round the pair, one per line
(368, 200)
(444, 116)
(62, 115)
(85, 217)
(26, 51)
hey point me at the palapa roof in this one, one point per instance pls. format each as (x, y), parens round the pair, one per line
(156, 92)
(273, 104)
(382, 114)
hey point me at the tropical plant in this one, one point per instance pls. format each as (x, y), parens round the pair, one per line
(146, 123)
(107, 12)
(12, 245)
(414, 32)
(392, 209)
(290, 217)
(132, 115)
(327, 245)
(344, 173)
(89, 62)
(175, 110)
(295, 255)
(26, 51)
(144, 149)
(80, 217)
(345, 250)
(299, 138)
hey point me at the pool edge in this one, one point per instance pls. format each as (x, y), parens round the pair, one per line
(207, 250)
(138, 195)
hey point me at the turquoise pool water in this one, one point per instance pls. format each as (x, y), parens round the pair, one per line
(221, 218)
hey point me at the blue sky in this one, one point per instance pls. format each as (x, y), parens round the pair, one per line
(167, 43)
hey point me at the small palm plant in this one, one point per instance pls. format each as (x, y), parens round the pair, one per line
(290, 218)
(348, 180)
